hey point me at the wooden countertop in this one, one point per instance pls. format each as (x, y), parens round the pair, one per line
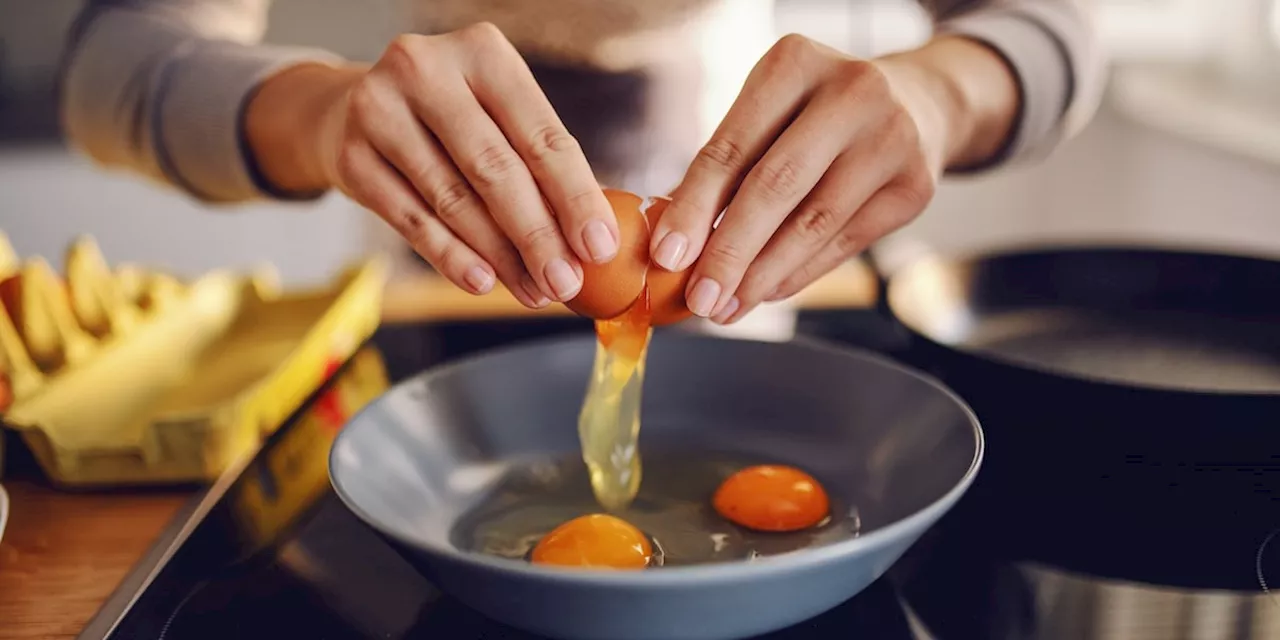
(429, 297)
(63, 553)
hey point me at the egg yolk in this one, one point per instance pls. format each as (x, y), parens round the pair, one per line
(772, 498)
(598, 540)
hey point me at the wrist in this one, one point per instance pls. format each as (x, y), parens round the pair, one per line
(972, 91)
(290, 121)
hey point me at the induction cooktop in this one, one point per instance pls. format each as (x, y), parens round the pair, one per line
(269, 551)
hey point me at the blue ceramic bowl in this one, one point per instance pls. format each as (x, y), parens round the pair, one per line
(893, 442)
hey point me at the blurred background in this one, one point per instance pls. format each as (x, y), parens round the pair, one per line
(1186, 146)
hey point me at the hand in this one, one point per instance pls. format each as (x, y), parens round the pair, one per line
(821, 155)
(450, 140)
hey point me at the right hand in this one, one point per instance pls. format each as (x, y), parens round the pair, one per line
(450, 140)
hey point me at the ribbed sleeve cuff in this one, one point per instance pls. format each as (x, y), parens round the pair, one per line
(197, 123)
(1044, 74)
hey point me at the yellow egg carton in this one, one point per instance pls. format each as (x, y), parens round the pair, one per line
(278, 488)
(124, 376)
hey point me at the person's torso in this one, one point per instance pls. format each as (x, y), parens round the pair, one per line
(607, 35)
(636, 81)
(610, 34)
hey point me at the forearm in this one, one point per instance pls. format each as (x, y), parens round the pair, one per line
(158, 87)
(289, 125)
(964, 92)
(1050, 48)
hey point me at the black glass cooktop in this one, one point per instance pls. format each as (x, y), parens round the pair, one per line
(277, 555)
(270, 552)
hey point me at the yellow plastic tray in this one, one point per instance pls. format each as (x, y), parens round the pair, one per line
(127, 377)
(274, 492)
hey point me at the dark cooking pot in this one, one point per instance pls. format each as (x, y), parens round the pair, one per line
(1131, 397)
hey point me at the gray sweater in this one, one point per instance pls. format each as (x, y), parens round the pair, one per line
(159, 86)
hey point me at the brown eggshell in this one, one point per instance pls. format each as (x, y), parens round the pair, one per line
(609, 289)
(666, 288)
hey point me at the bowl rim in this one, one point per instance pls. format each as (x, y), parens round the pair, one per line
(725, 572)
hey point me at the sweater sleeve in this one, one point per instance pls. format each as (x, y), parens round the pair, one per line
(1051, 46)
(159, 87)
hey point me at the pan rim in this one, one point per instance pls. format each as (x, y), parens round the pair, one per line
(716, 573)
(969, 258)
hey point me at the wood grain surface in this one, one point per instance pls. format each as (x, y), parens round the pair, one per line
(63, 553)
(431, 298)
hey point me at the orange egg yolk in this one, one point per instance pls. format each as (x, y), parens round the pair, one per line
(772, 498)
(598, 541)
(627, 334)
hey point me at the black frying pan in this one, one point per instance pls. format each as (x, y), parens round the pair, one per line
(1131, 397)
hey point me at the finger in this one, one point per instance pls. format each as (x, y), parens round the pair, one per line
(888, 210)
(771, 96)
(853, 178)
(375, 184)
(499, 176)
(395, 133)
(772, 189)
(513, 98)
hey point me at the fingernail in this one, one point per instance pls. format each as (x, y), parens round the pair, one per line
(704, 296)
(730, 308)
(535, 294)
(600, 241)
(671, 251)
(478, 279)
(562, 278)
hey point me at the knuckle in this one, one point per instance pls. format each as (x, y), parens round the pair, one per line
(791, 52)
(724, 254)
(853, 239)
(538, 236)
(406, 42)
(481, 35)
(915, 192)
(817, 221)
(859, 80)
(549, 140)
(364, 102)
(494, 164)
(403, 55)
(777, 179)
(580, 203)
(452, 202)
(860, 72)
(348, 162)
(411, 224)
(791, 49)
(722, 154)
(450, 259)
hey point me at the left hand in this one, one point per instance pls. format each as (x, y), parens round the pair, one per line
(820, 155)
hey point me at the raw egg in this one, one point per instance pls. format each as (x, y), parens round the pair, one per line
(666, 288)
(598, 541)
(772, 498)
(609, 289)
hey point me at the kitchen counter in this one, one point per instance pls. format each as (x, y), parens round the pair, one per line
(63, 553)
(429, 297)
